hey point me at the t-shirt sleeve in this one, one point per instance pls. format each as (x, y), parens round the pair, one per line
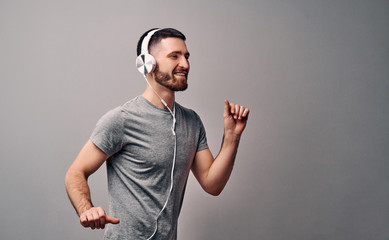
(108, 133)
(203, 144)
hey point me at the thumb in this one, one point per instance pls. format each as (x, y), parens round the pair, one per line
(112, 220)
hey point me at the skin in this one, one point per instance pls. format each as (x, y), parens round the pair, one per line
(172, 56)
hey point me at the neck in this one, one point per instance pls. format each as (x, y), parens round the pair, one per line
(166, 94)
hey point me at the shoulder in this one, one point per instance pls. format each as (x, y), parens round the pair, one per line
(112, 117)
(118, 114)
(122, 110)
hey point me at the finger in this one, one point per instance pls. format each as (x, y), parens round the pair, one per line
(236, 115)
(241, 110)
(102, 215)
(232, 108)
(84, 221)
(102, 222)
(246, 112)
(91, 222)
(226, 108)
(96, 218)
(112, 220)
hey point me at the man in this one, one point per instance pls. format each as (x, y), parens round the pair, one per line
(150, 144)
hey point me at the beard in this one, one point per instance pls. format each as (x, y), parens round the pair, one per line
(170, 81)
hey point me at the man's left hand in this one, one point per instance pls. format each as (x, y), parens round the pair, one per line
(235, 118)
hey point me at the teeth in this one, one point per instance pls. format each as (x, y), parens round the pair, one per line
(180, 74)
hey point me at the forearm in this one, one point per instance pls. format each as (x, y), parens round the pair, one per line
(220, 170)
(211, 173)
(78, 191)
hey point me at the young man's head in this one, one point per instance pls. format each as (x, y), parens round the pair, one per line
(168, 48)
(158, 36)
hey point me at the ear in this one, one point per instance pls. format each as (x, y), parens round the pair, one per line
(145, 63)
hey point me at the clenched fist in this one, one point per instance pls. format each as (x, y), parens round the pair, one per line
(95, 218)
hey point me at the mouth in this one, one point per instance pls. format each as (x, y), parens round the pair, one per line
(181, 74)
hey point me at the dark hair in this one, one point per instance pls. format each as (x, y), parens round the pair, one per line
(158, 36)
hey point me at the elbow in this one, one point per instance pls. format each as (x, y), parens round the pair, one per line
(69, 174)
(68, 178)
(213, 188)
(73, 175)
(214, 191)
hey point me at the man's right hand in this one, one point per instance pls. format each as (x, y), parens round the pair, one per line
(95, 218)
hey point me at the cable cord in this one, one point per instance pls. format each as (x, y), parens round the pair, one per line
(170, 190)
(174, 158)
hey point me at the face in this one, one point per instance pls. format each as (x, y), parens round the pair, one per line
(172, 67)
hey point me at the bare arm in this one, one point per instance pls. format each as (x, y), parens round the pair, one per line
(211, 173)
(87, 162)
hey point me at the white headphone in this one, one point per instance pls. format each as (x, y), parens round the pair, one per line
(145, 63)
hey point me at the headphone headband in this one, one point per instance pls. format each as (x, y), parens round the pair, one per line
(145, 62)
(146, 40)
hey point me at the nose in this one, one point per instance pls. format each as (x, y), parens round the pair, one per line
(184, 63)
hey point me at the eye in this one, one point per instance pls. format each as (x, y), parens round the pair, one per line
(174, 56)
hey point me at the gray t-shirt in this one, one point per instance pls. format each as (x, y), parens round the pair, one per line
(140, 142)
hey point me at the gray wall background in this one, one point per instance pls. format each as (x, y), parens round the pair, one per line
(312, 164)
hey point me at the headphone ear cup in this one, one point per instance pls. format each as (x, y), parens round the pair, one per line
(145, 63)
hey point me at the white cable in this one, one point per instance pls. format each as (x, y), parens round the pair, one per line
(170, 190)
(174, 158)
